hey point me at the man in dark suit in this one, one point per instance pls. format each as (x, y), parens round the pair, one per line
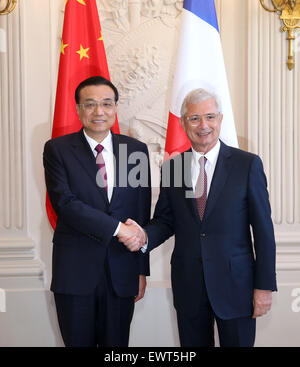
(95, 279)
(211, 196)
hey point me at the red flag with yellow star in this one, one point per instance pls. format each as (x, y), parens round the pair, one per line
(82, 56)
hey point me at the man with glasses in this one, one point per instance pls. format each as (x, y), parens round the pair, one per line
(95, 279)
(211, 197)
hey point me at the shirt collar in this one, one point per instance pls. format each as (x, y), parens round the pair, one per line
(106, 142)
(211, 155)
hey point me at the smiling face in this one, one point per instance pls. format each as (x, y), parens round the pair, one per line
(97, 121)
(205, 134)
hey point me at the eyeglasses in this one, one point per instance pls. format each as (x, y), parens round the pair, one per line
(208, 117)
(106, 105)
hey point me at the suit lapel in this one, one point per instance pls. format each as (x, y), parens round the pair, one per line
(86, 158)
(219, 179)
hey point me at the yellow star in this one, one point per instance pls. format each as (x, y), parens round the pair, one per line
(101, 37)
(81, 2)
(83, 52)
(63, 46)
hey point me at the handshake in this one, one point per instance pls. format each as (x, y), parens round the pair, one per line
(132, 235)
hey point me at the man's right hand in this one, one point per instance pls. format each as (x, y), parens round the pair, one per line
(132, 235)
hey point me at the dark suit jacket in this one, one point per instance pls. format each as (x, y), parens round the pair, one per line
(219, 246)
(83, 239)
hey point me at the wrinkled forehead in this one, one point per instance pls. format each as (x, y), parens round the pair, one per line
(205, 106)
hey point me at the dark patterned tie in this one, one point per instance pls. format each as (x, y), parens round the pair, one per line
(201, 187)
(101, 164)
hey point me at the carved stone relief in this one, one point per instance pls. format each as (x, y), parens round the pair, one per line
(140, 39)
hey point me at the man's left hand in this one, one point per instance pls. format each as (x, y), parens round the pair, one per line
(142, 288)
(262, 302)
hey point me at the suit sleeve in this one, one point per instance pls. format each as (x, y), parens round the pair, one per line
(74, 213)
(161, 226)
(262, 227)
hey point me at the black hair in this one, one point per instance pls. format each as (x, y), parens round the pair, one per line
(95, 80)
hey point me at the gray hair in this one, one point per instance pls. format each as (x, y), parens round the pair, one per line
(197, 96)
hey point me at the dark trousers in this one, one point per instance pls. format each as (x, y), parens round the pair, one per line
(99, 319)
(198, 331)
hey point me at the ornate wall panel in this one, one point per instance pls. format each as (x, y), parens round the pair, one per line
(16, 249)
(273, 125)
(12, 147)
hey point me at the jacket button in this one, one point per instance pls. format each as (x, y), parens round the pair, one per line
(202, 234)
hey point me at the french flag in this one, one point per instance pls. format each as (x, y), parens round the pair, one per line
(200, 64)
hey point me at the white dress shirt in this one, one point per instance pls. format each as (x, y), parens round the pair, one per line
(212, 157)
(108, 156)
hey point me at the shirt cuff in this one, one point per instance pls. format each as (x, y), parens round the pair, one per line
(117, 230)
(144, 248)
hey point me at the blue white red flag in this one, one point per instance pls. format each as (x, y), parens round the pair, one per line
(200, 64)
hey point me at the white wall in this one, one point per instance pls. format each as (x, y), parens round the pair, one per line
(265, 103)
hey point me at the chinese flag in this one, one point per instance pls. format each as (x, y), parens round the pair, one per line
(200, 64)
(82, 56)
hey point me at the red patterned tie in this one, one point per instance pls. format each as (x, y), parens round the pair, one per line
(101, 164)
(201, 187)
